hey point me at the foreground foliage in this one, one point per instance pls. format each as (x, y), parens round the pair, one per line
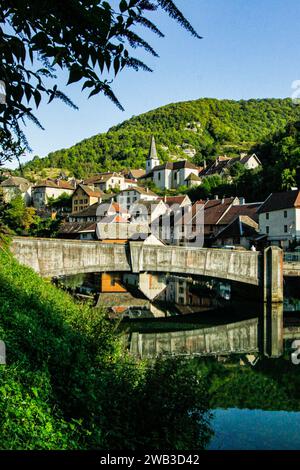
(67, 384)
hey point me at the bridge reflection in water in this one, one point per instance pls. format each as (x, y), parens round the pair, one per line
(263, 335)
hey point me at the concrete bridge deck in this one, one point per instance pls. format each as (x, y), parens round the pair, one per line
(57, 257)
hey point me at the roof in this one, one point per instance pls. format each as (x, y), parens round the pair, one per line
(241, 210)
(57, 184)
(140, 190)
(92, 211)
(16, 181)
(192, 177)
(102, 177)
(113, 219)
(170, 200)
(77, 227)
(90, 191)
(116, 206)
(215, 209)
(137, 173)
(241, 226)
(280, 201)
(176, 166)
(152, 151)
(246, 158)
(88, 212)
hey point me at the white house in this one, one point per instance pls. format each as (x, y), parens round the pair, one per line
(279, 218)
(47, 189)
(128, 197)
(16, 186)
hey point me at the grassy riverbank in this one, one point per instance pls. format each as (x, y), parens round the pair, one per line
(68, 385)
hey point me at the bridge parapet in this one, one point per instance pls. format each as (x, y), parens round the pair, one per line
(53, 257)
(240, 266)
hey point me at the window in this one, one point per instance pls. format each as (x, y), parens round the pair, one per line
(267, 215)
(158, 176)
(267, 229)
(75, 202)
(285, 229)
(175, 176)
(285, 214)
(85, 201)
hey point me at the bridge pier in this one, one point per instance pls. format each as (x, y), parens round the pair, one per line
(272, 330)
(273, 275)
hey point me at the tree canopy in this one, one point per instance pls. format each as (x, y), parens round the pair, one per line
(93, 40)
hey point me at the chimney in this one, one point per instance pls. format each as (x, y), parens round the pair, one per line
(216, 197)
(204, 164)
(242, 201)
(165, 198)
(223, 200)
(147, 190)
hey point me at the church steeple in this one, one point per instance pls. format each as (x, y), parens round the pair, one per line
(152, 159)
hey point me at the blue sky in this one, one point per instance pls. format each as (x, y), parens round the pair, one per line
(249, 50)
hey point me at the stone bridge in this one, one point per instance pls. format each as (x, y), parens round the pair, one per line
(56, 257)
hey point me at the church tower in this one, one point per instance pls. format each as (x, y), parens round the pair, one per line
(152, 159)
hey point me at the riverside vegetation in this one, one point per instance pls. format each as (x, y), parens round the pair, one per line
(68, 385)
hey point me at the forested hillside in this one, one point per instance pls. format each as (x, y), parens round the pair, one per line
(209, 126)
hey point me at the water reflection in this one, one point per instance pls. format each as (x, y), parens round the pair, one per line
(261, 335)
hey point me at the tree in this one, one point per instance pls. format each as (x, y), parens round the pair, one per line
(89, 39)
(17, 216)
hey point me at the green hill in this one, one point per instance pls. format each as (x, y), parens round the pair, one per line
(205, 126)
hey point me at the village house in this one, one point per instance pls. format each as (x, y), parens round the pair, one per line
(85, 196)
(83, 225)
(279, 218)
(49, 189)
(128, 197)
(110, 181)
(132, 174)
(148, 211)
(98, 211)
(223, 164)
(242, 231)
(16, 186)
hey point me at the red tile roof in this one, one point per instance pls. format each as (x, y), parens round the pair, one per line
(215, 209)
(244, 209)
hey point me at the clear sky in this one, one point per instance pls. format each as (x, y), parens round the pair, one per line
(249, 50)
